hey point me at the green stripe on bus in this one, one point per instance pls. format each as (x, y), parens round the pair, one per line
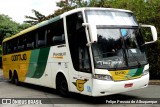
(42, 62)
(33, 62)
(132, 72)
(135, 72)
(48, 21)
(54, 19)
(139, 72)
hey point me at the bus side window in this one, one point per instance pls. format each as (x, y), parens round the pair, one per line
(30, 40)
(20, 43)
(15, 48)
(4, 48)
(58, 39)
(55, 33)
(10, 48)
(42, 37)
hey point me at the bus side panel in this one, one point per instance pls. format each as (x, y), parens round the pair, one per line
(37, 65)
(16, 62)
(6, 66)
(58, 61)
(44, 66)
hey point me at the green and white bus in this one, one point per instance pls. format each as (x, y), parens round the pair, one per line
(90, 51)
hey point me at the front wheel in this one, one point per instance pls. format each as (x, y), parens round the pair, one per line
(62, 86)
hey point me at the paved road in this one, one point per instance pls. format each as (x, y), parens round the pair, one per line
(8, 90)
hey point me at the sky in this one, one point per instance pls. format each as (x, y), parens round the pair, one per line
(17, 9)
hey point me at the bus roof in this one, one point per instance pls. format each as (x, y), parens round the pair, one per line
(94, 8)
(59, 17)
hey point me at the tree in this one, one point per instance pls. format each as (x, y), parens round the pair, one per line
(23, 26)
(7, 27)
(37, 19)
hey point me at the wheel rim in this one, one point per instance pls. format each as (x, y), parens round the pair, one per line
(16, 81)
(62, 87)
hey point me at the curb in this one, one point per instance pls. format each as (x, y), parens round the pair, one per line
(154, 82)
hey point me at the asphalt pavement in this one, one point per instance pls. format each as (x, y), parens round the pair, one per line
(9, 90)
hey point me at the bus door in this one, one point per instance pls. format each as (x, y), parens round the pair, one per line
(80, 69)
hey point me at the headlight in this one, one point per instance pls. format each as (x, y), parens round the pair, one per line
(145, 72)
(102, 77)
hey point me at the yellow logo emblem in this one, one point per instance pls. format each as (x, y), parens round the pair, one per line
(80, 84)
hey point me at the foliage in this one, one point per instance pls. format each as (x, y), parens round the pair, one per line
(37, 19)
(9, 27)
(23, 26)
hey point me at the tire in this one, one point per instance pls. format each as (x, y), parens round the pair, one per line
(12, 80)
(11, 77)
(15, 79)
(62, 86)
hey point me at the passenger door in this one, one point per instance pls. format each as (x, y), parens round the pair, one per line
(80, 68)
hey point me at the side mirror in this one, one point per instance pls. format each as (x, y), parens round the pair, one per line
(153, 31)
(92, 31)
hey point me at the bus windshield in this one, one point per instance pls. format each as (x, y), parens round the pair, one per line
(119, 48)
(108, 17)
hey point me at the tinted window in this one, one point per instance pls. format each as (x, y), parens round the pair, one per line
(52, 34)
(55, 33)
(42, 37)
(31, 40)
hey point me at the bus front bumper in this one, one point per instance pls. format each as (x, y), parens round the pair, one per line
(102, 87)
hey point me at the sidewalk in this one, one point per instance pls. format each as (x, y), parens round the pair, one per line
(154, 82)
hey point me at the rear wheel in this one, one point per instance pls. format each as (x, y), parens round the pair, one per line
(12, 80)
(15, 79)
(11, 77)
(62, 86)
